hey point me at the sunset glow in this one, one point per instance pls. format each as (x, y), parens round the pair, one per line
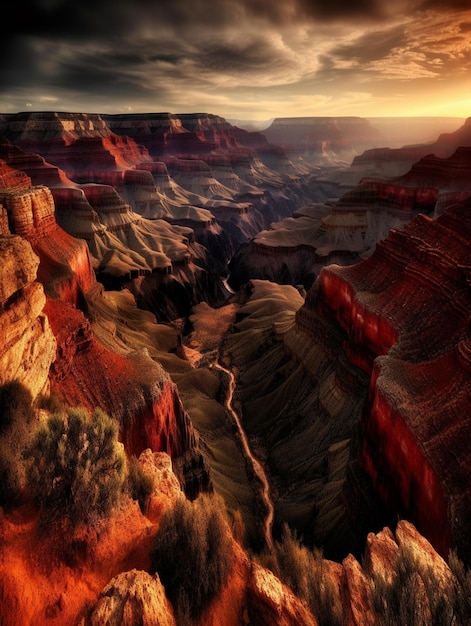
(240, 58)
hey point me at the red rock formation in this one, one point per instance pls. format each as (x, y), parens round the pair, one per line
(28, 344)
(409, 305)
(136, 391)
(65, 268)
(11, 178)
(34, 166)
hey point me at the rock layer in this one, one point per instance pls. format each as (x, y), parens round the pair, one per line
(28, 345)
(409, 305)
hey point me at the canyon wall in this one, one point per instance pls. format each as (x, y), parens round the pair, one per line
(346, 229)
(365, 387)
(409, 305)
(28, 346)
(321, 138)
(51, 343)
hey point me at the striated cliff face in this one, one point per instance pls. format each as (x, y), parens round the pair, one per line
(28, 345)
(408, 305)
(345, 230)
(366, 394)
(136, 391)
(65, 269)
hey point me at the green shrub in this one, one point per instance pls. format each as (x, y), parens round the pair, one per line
(15, 405)
(140, 484)
(16, 413)
(192, 555)
(51, 403)
(76, 467)
(306, 573)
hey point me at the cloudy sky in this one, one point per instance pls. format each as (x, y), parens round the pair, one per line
(246, 59)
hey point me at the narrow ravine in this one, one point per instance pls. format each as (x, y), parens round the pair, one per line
(258, 468)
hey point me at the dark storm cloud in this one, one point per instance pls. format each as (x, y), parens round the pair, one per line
(372, 45)
(163, 52)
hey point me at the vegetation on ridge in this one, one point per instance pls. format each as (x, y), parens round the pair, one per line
(305, 571)
(76, 466)
(193, 554)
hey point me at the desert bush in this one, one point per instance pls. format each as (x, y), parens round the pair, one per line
(306, 573)
(413, 595)
(76, 467)
(15, 405)
(16, 413)
(461, 591)
(192, 555)
(51, 403)
(140, 484)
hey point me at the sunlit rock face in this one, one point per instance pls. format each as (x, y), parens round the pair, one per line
(320, 138)
(65, 268)
(28, 345)
(378, 564)
(81, 370)
(32, 168)
(133, 597)
(408, 304)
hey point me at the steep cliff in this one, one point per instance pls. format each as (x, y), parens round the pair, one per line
(28, 345)
(300, 399)
(65, 268)
(136, 391)
(408, 305)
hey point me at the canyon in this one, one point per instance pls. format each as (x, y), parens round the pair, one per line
(186, 277)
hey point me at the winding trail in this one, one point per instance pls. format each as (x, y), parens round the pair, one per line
(258, 468)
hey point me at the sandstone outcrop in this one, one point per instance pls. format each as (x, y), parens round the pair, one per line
(131, 598)
(28, 345)
(136, 391)
(11, 178)
(38, 170)
(65, 269)
(95, 576)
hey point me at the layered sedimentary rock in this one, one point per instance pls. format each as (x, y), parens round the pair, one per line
(11, 178)
(320, 138)
(28, 346)
(347, 229)
(133, 597)
(385, 161)
(39, 171)
(136, 391)
(300, 399)
(404, 316)
(384, 344)
(65, 268)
